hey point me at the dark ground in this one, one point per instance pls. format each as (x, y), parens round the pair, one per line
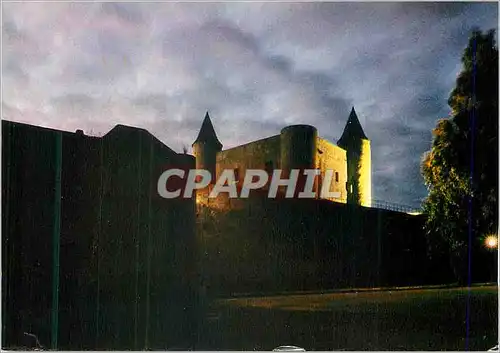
(420, 319)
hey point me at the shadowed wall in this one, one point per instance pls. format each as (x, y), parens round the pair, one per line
(294, 245)
(126, 255)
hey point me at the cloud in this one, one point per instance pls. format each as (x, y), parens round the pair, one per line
(255, 67)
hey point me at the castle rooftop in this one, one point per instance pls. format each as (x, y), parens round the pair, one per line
(207, 133)
(352, 129)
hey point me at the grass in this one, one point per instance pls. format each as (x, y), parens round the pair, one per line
(416, 319)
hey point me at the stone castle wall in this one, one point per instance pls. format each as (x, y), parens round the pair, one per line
(365, 174)
(333, 157)
(253, 155)
(125, 254)
(269, 154)
(295, 245)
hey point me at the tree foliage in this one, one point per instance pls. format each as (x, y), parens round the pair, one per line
(461, 169)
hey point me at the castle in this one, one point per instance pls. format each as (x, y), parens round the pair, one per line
(296, 147)
(88, 240)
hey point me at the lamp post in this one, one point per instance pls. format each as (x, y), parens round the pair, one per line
(491, 245)
(491, 242)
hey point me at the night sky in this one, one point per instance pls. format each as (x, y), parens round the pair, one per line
(255, 67)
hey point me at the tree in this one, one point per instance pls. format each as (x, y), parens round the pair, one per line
(461, 169)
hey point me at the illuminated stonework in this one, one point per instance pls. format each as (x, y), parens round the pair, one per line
(365, 174)
(296, 147)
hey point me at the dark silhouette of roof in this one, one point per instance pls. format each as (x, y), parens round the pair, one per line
(352, 130)
(207, 133)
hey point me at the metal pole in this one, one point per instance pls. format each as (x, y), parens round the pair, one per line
(98, 249)
(56, 239)
(471, 185)
(137, 245)
(148, 259)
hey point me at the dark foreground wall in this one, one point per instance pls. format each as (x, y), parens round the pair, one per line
(126, 275)
(281, 245)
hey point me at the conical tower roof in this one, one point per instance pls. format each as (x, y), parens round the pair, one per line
(207, 133)
(352, 130)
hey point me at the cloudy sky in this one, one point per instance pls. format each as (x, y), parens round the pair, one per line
(255, 67)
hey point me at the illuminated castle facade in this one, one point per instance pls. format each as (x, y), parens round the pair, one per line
(296, 147)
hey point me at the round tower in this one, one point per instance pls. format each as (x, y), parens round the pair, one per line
(358, 150)
(298, 151)
(206, 146)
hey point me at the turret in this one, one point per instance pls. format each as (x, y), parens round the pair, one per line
(206, 146)
(357, 146)
(298, 151)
